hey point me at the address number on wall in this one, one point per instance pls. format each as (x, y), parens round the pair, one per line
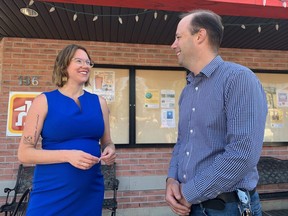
(27, 80)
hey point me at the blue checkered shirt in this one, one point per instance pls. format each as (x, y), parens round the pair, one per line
(222, 115)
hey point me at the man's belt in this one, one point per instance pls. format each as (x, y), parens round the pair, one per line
(218, 203)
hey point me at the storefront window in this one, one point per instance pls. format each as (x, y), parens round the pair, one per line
(276, 89)
(113, 85)
(143, 102)
(157, 95)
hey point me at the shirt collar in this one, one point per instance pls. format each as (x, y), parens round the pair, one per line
(208, 69)
(212, 66)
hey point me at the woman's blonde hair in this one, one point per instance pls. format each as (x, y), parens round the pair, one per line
(63, 59)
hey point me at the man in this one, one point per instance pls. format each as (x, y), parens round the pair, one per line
(222, 114)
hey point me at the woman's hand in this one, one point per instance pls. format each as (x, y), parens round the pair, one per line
(81, 160)
(108, 155)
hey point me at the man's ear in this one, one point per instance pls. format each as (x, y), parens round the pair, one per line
(201, 35)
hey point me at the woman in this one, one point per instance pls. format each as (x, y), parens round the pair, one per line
(71, 122)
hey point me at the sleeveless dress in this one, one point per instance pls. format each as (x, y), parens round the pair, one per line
(62, 189)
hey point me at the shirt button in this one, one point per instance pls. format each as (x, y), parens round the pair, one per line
(196, 88)
(187, 153)
(191, 131)
(193, 109)
(184, 176)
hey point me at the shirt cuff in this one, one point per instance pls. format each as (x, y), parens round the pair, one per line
(190, 193)
(172, 173)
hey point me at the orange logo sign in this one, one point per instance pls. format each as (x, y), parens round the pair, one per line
(19, 104)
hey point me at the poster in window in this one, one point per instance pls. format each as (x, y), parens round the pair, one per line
(151, 99)
(156, 109)
(104, 84)
(167, 98)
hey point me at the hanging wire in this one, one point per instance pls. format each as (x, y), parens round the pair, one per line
(98, 15)
(53, 7)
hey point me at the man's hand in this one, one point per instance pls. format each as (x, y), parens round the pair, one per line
(175, 199)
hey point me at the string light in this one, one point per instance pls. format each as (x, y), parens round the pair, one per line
(95, 18)
(31, 3)
(75, 17)
(284, 3)
(277, 26)
(259, 25)
(52, 9)
(137, 18)
(120, 20)
(155, 15)
(165, 17)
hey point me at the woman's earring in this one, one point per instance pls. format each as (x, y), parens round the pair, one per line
(64, 79)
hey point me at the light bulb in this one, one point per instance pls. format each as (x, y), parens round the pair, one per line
(264, 2)
(165, 17)
(120, 20)
(95, 18)
(75, 17)
(31, 2)
(259, 28)
(137, 18)
(243, 26)
(52, 9)
(155, 15)
(277, 26)
(284, 4)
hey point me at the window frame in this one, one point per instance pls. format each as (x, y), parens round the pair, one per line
(132, 103)
(282, 72)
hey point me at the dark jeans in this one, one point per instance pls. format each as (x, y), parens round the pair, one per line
(231, 209)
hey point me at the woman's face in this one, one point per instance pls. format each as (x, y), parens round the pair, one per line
(79, 68)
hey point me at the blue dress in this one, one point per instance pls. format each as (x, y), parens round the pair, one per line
(62, 189)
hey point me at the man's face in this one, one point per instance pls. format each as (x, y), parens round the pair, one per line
(184, 45)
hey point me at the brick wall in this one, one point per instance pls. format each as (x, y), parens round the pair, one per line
(22, 57)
